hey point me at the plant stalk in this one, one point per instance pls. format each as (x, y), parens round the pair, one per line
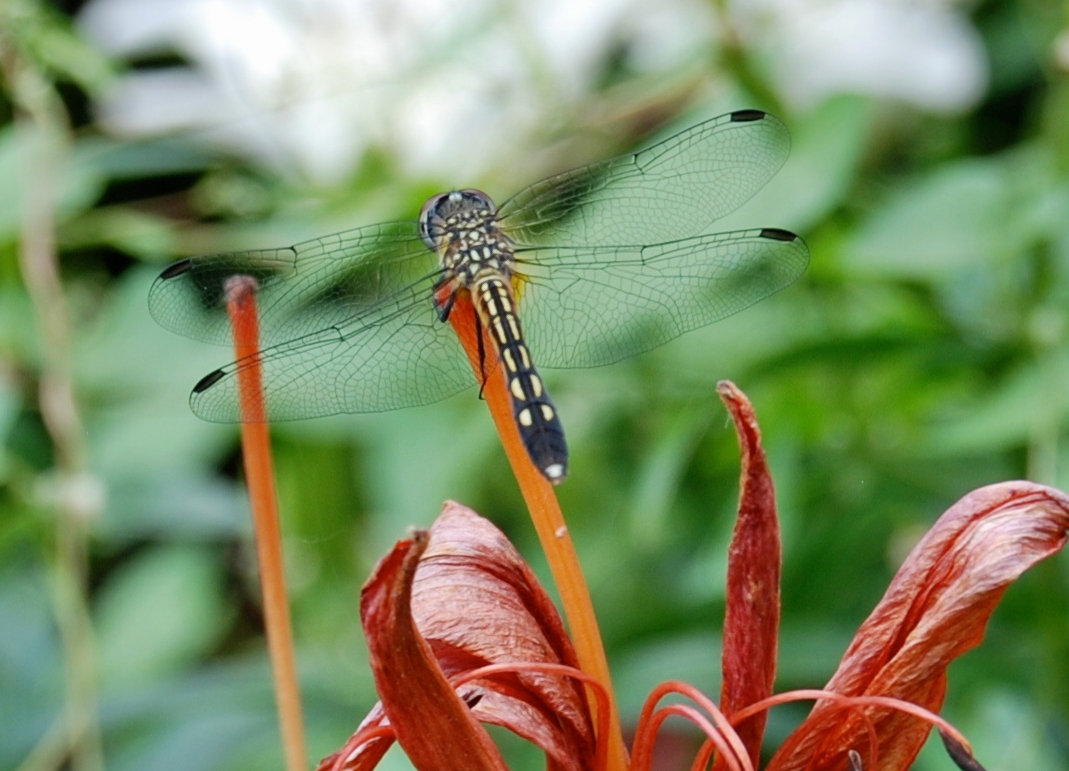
(259, 476)
(548, 522)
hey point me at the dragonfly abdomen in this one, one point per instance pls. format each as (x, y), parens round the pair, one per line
(536, 417)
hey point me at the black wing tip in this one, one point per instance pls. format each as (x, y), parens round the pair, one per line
(777, 234)
(176, 269)
(748, 116)
(208, 381)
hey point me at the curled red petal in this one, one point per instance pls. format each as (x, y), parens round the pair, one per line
(751, 625)
(434, 726)
(936, 608)
(474, 602)
(477, 603)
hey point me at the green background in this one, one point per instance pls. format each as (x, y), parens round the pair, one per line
(925, 353)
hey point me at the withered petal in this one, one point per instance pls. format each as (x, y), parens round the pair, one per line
(935, 609)
(475, 603)
(432, 723)
(751, 625)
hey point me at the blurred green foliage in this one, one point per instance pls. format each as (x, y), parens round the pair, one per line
(925, 353)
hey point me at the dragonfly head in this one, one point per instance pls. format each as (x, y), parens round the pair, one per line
(451, 211)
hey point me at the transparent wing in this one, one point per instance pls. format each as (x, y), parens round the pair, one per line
(347, 322)
(397, 355)
(303, 289)
(588, 307)
(676, 188)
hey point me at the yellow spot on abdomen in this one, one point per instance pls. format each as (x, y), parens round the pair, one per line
(499, 331)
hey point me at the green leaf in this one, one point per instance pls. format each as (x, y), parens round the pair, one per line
(162, 611)
(954, 218)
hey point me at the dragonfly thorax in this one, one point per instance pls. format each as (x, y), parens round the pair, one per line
(462, 228)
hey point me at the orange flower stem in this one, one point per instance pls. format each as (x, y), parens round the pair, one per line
(549, 524)
(259, 476)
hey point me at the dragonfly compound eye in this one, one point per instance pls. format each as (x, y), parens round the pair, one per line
(455, 209)
(431, 222)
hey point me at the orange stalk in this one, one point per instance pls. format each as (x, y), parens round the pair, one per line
(549, 524)
(259, 476)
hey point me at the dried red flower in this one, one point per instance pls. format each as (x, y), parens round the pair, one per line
(460, 633)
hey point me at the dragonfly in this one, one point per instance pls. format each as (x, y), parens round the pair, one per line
(581, 269)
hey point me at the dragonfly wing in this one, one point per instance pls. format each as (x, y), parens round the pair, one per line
(398, 355)
(588, 307)
(676, 188)
(302, 289)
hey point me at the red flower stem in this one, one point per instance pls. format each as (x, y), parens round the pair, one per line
(648, 724)
(549, 524)
(643, 760)
(855, 702)
(259, 476)
(705, 754)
